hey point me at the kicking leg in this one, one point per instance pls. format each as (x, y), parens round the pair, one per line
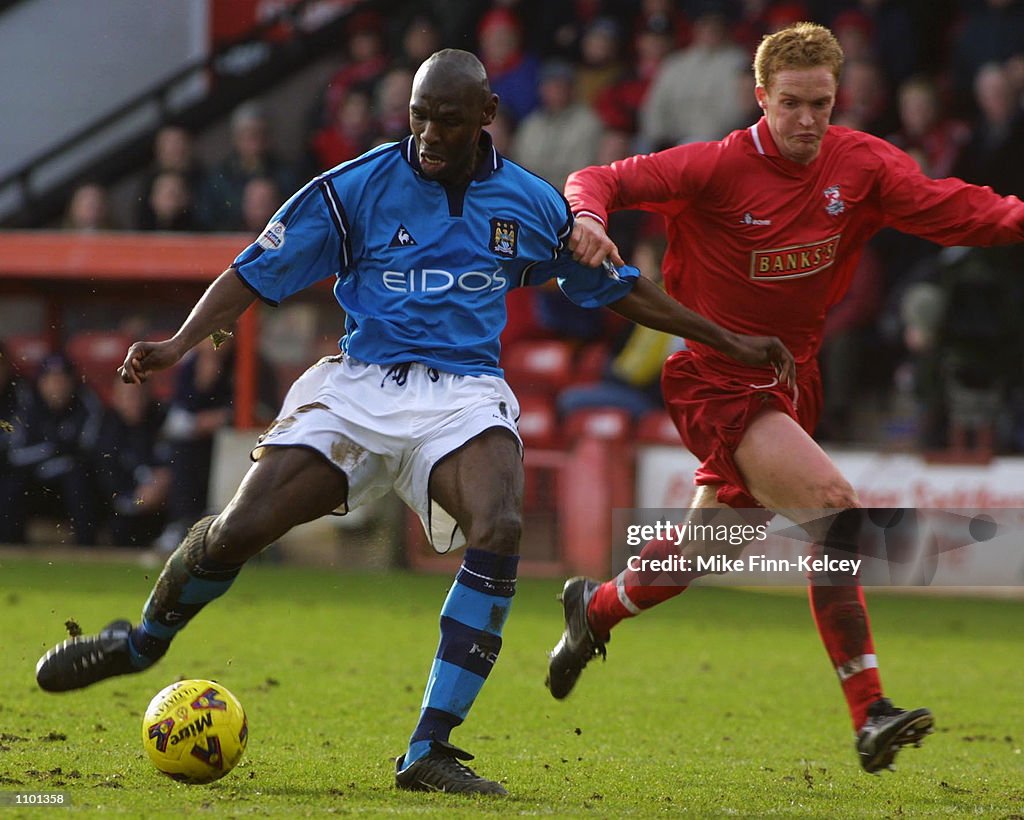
(592, 609)
(286, 487)
(481, 485)
(787, 472)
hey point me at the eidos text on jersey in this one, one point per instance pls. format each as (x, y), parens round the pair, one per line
(435, 280)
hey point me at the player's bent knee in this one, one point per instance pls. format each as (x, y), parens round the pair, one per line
(499, 533)
(837, 495)
(235, 537)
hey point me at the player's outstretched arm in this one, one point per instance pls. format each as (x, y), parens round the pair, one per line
(648, 305)
(221, 305)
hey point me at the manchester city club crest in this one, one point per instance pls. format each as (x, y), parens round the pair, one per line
(505, 237)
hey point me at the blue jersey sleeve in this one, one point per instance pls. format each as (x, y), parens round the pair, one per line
(301, 245)
(587, 287)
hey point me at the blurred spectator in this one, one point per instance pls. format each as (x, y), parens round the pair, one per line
(556, 29)
(132, 471)
(558, 318)
(260, 200)
(421, 37)
(1014, 68)
(686, 103)
(201, 404)
(16, 403)
(349, 135)
(563, 133)
(55, 448)
(760, 17)
(600, 62)
(627, 227)
(251, 155)
(924, 129)
(664, 15)
(170, 205)
(962, 330)
(513, 72)
(845, 347)
(391, 105)
(856, 34)
(895, 40)
(457, 20)
(502, 130)
(618, 105)
(991, 31)
(88, 209)
(922, 307)
(366, 62)
(863, 99)
(632, 378)
(993, 154)
(173, 151)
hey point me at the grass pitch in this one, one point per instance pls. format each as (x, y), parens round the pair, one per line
(720, 702)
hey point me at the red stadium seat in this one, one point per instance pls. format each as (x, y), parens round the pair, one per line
(656, 427)
(538, 422)
(27, 351)
(610, 423)
(591, 363)
(538, 366)
(96, 355)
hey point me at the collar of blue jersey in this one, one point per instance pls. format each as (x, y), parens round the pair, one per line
(490, 162)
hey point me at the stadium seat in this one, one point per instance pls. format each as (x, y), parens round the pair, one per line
(591, 362)
(609, 423)
(538, 366)
(27, 351)
(656, 427)
(96, 355)
(538, 421)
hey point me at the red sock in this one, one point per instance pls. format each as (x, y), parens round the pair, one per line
(631, 592)
(842, 619)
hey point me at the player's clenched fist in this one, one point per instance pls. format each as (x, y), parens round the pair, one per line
(145, 357)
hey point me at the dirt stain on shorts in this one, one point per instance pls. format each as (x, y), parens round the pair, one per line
(281, 424)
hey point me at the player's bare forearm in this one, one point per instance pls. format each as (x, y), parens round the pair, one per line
(219, 307)
(224, 301)
(649, 305)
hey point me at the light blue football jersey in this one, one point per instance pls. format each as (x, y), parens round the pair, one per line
(422, 270)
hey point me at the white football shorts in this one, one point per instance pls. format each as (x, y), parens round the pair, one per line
(387, 426)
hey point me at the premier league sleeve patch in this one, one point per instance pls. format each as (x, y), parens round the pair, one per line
(272, 238)
(505, 237)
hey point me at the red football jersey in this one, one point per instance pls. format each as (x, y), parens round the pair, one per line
(764, 245)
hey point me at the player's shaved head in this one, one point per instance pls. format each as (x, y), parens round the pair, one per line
(458, 71)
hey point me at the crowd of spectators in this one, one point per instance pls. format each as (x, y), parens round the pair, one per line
(127, 469)
(587, 81)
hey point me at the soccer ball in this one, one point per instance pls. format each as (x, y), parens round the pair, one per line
(195, 731)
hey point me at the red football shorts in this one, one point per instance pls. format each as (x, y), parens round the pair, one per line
(713, 404)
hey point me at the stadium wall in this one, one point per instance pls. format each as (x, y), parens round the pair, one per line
(114, 49)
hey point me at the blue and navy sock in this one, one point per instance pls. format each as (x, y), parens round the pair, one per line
(471, 621)
(188, 582)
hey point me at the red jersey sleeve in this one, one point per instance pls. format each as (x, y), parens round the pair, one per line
(946, 211)
(665, 182)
